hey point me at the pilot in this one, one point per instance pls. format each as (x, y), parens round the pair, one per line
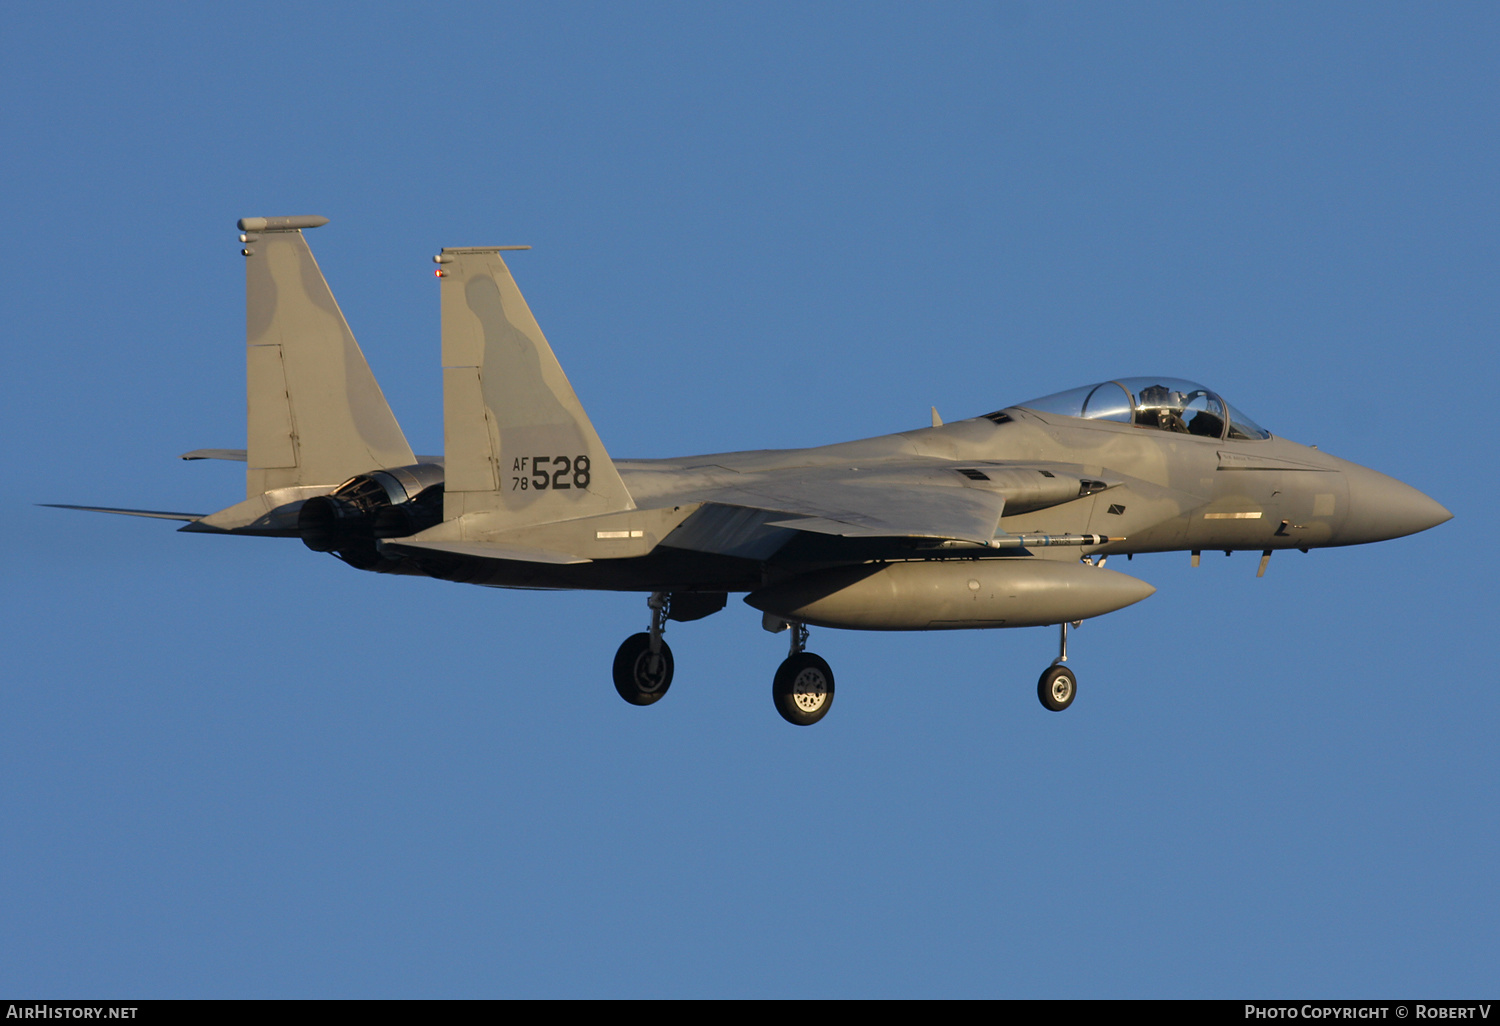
(1206, 424)
(1161, 408)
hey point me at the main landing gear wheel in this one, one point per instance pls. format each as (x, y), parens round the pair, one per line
(1057, 687)
(803, 689)
(642, 676)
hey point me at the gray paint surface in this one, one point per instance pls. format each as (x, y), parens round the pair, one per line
(995, 521)
(315, 414)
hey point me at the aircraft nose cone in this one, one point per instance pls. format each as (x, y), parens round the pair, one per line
(1381, 507)
(1127, 590)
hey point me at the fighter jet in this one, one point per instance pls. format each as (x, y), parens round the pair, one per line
(1000, 520)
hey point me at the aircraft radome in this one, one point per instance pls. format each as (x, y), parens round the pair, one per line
(1002, 520)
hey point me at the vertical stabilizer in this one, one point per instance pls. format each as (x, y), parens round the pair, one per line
(315, 412)
(518, 448)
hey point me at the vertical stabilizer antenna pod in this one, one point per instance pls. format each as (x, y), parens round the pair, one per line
(315, 413)
(281, 224)
(518, 449)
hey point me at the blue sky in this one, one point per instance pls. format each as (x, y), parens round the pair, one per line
(231, 767)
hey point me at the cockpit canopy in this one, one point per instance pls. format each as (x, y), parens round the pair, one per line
(1163, 404)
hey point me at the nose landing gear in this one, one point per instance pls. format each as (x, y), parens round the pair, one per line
(1058, 686)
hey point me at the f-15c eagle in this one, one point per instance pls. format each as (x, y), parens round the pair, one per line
(1002, 520)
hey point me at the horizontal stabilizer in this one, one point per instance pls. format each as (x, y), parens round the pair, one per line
(273, 513)
(156, 513)
(237, 455)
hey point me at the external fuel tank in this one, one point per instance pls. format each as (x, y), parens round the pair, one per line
(950, 594)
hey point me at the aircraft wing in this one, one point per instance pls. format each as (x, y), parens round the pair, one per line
(920, 501)
(855, 511)
(490, 550)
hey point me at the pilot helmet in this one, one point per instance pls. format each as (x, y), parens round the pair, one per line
(1159, 395)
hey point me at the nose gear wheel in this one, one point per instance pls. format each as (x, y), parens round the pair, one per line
(1057, 687)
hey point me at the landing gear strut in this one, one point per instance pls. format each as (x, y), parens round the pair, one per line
(643, 665)
(1058, 686)
(803, 686)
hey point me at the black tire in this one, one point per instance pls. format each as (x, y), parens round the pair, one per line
(639, 679)
(803, 689)
(1057, 688)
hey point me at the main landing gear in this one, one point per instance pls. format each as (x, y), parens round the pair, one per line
(1058, 686)
(643, 665)
(803, 686)
(802, 689)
